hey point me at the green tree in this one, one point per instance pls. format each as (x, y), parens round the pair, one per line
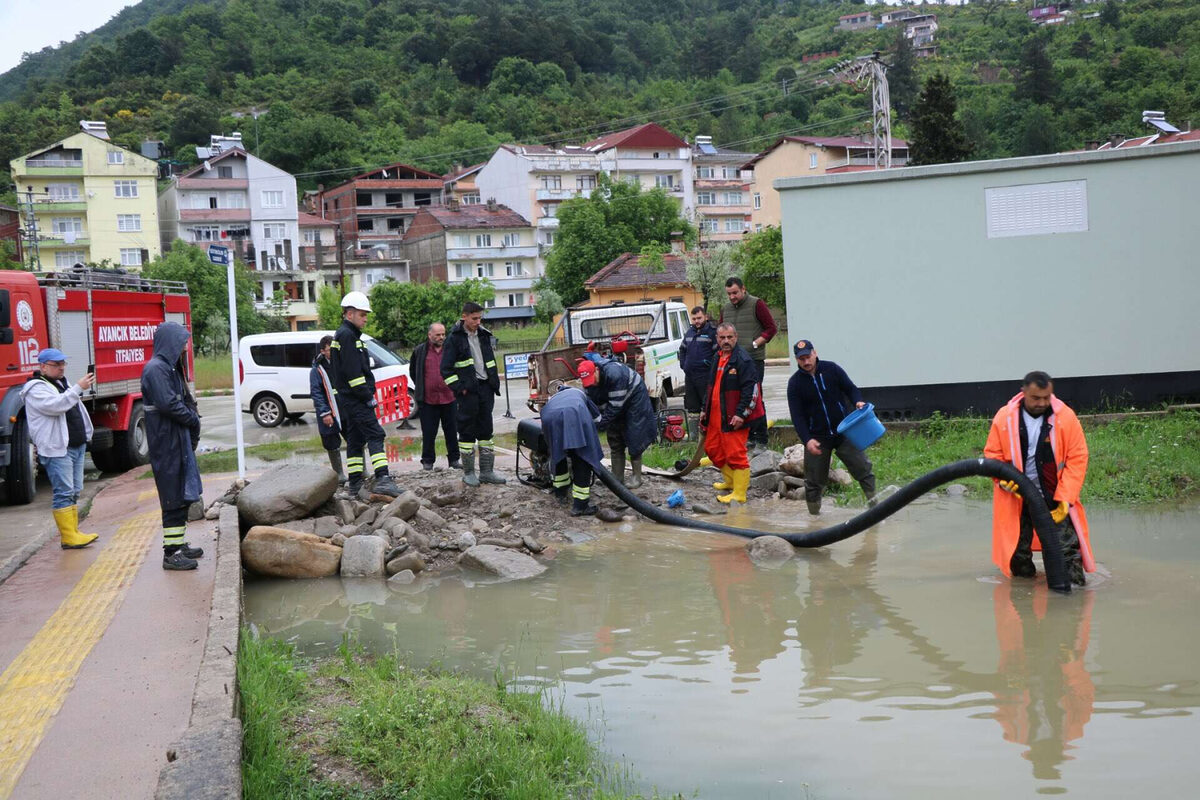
(403, 312)
(759, 261)
(1036, 81)
(329, 308)
(937, 135)
(902, 74)
(207, 286)
(548, 304)
(707, 270)
(651, 263)
(1110, 14)
(617, 218)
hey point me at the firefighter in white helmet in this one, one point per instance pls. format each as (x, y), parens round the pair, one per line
(354, 385)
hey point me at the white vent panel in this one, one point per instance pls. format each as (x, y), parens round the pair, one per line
(1037, 209)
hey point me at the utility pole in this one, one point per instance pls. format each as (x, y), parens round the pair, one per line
(870, 71)
(31, 232)
(341, 257)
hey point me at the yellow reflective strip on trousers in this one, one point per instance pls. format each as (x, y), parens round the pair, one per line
(174, 536)
(581, 492)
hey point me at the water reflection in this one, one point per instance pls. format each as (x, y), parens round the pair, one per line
(716, 676)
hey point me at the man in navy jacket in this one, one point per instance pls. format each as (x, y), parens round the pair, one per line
(820, 395)
(696, 359)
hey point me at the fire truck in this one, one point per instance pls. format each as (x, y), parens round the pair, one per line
(104, 321)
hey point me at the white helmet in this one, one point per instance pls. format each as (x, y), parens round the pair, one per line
(356, 300)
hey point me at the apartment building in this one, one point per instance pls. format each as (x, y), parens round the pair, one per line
(455, 242)
(92, 201)
(798, 156)
(460, 185)
(376, 208)
(651, 156)
(723, 197)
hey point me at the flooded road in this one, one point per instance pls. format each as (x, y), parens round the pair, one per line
(896, 664)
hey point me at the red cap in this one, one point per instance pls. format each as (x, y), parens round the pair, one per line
(587, 373)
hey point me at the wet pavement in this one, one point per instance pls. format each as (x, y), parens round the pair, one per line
(896, 664)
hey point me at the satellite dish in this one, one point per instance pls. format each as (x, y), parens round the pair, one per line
(207, 167)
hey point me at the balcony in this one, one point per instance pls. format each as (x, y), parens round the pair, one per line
(547, 222)
(562, 194)
(56, 240)
(53, 166)
(214, 214)
(214, 183)
(47, 206)
(499, 253)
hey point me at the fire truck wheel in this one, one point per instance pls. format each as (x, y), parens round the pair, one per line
(19, 482)
(268, 410)
(130, 448)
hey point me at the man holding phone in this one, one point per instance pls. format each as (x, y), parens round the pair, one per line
(60, 428)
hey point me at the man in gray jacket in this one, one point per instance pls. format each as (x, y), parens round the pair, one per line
(60, 428)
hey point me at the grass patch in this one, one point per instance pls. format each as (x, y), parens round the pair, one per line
(1134, 460)
(355, 726)
(226, 460)
(213, 372)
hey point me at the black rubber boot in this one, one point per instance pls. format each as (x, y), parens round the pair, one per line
(384, 485)
(354, 484)
(583, 508)
(176, 560)
(1021, 563)
(1071, 554)
(560, 494)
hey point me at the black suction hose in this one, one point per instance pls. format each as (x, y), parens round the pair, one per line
(1047, 530)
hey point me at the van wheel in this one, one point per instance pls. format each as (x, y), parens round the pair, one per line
(19, 480)
(268, 410)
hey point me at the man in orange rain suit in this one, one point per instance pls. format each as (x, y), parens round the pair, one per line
(1038, 434)
(733, 402)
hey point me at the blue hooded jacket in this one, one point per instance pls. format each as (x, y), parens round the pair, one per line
(171, 420)
(569, 424)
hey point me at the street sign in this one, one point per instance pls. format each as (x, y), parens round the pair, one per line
(516, 365)
(218, 254)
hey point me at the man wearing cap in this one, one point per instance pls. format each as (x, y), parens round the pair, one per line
(755, 327)
(625, 412)
(60, 429)
(1041, 436)
(172, 431)
(734, 403)
(469, 368)
(820, 395)
(354, 384)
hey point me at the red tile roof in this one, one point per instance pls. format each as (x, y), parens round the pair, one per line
(624, 270)
(647, 135)
(1142, 141)
(453, 176)
(313, 221)
(474, 217)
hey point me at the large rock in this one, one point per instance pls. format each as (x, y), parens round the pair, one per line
(325, 527)
(403, 508)
(406, 561)
(840, 477)
(764, 462)
(280, 553)
(793, 461)
(770, 550)
(362, 557)
(285, 493)
(431, 518)
(510, 564)
(768, 481)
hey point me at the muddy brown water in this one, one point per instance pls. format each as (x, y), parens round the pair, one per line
(895, 664)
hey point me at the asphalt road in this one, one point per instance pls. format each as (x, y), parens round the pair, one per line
(218, 415)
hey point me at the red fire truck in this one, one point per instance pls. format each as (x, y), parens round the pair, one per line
(104, 319)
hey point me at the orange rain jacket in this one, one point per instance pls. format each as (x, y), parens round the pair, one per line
(1071, 457)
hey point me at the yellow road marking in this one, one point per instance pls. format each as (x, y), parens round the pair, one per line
(35, 685)
(146, 495)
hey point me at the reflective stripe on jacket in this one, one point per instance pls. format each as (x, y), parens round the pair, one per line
(458, 365)
(350, 364)
(1071, 458)
(740, 392)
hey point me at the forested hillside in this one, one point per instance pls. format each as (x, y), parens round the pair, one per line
(353, 83)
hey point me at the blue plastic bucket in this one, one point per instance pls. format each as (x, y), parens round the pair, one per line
(861, 428)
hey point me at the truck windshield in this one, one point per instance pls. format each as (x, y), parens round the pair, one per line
(608, 327)
(384, 357)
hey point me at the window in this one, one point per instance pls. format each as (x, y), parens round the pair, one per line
(131, 257)
(514, 269)
(664, 181)
(463, 271)
(550, 210)
(224, 172)
(116, 156)
(758, 228)
(511, 240)
(235, 200)
(705, 199)
(489, 303)
(812, 160)
(393, 199)
(705, 172)
(422, 199)
(395, 224)
(61, 225)
(471, 200)
(709, 225)
(366, 225)
(548, 238)
(63, 192)
(272, 199)
(274, 230)
(731, 173)
(206, 233)
(483, 240)
(69, 258)
(551, 181)
(462, 240)
(585, 182)
(125, 188)
(516, 299)
(757, 201)
(212, 201)
(484, 269)
(127, 223)
(731, 198)
(310, 236)
(734, 226)
(284, 355)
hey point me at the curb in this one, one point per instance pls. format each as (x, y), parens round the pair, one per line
(18, 559)
(206, 762)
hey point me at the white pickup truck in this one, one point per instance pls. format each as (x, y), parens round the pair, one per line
(646, 336)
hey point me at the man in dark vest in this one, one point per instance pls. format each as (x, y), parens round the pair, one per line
(755, 327)
(469, 369)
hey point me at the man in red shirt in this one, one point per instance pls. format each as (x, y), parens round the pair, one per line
(435, 401)
(733, 405)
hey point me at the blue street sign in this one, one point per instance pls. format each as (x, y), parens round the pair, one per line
(516, 365)
(218, 254)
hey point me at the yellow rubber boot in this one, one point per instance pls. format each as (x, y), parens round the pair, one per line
(67, 520)
(728, 482)
(741, 482)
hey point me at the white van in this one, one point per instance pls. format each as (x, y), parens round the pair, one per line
(274, 367)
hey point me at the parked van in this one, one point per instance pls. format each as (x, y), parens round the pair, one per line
(273, 369)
